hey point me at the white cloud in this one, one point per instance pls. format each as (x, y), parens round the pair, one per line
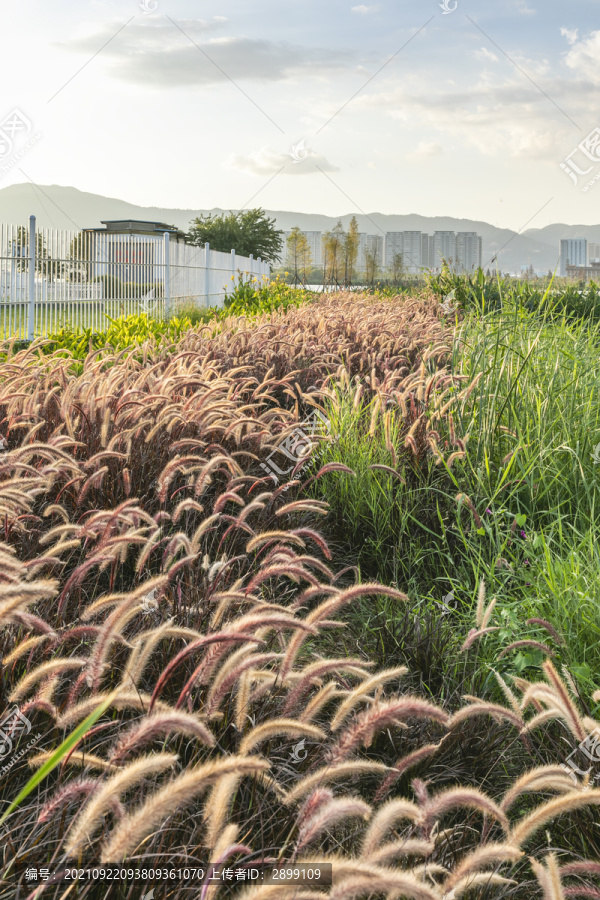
(571, 34)
(523, 9)
(584, 57)
(364, 10)
(486, 55)
(424, 149)
(511, 119)
(535, 68)
(152, 53)
(299, 160)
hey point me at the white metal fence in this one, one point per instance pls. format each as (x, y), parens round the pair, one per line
(50, 278)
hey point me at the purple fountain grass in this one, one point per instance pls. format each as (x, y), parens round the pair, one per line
(159, 724)
(315, 671)
(328, 813)
(73, 792)
(381, 715)
(100, 487)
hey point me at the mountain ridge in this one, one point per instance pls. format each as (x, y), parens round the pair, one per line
(67, 207)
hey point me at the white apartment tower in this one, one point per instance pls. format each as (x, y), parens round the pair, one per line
(371, 242)
(467, 257)
(394, 243)
(427, 260)
(593, 253)
(444, 248)
(412, 251)
(315, 243)
(573, 252)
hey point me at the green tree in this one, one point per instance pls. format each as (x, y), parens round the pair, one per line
(371, 265)
(350, 251)
(78, 267)
(333, 246)
(397, 267)
(44, 264)
(246, 232)
(306, 260)
(298, 256)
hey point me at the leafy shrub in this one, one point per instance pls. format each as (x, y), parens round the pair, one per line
(253, 298)
(124, 332)
(197, 315)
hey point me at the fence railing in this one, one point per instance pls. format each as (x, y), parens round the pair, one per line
(50, 277)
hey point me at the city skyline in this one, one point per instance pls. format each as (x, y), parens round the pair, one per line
(579, 257)
(419, 250)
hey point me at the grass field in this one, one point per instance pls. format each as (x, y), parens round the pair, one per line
(384, 657)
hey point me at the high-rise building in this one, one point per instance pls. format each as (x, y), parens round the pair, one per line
(468, 252)
(593, 253)
(573, 252)
(394, 243)
(444, 248)
(412, 251)
(427, 251)
(314, 239)
(315, 243)
(372, 243)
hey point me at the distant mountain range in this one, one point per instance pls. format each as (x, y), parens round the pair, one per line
(66, 207)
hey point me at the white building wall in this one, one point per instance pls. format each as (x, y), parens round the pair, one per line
(573, 252)
(427, 259)
(412, 251)
(468, 251)
(393, 244)
(444, 247)
(593, 253)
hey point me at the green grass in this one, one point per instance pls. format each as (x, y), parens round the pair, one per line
(533, 423)
(75, 316)
(391, 525)
(565, 589)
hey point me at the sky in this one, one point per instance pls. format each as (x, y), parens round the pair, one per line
(480, 109)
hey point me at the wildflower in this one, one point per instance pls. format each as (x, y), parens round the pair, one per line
(488, 511)
(523, 535)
